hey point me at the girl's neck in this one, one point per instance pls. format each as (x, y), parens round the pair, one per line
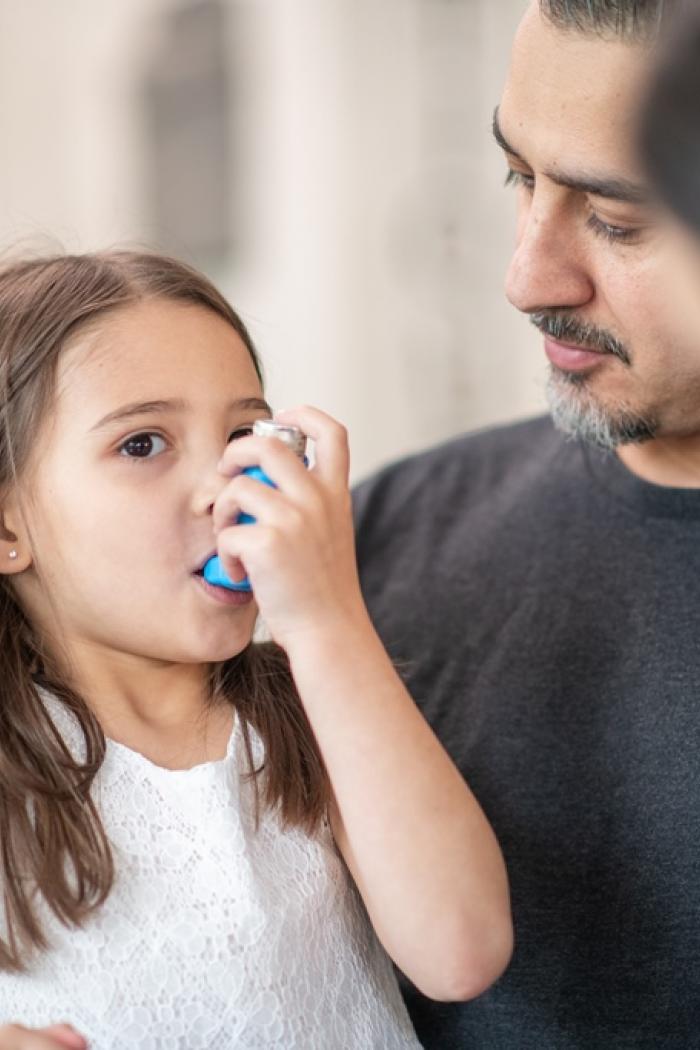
(163, 711)
(180, 747)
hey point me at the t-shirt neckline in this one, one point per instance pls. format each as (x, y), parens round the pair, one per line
(644, 497)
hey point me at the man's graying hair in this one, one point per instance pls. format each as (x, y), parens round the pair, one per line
(632, 20)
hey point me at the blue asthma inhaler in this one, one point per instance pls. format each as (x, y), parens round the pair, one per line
(294, 439)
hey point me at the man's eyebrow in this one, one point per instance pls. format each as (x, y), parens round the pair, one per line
(150, 408)
(611, 187)
(501, 139)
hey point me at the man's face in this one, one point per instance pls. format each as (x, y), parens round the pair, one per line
(593, 252)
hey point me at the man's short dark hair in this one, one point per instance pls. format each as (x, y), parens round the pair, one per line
(629, 19)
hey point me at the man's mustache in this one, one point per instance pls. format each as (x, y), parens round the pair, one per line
(566, 329)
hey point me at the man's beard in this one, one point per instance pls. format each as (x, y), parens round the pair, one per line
(575, 410)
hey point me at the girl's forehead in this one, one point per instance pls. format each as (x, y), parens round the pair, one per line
(150, 351)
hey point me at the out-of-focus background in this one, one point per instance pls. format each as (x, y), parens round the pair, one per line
(327, 162)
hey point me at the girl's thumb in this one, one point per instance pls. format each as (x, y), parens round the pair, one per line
(66, 1035)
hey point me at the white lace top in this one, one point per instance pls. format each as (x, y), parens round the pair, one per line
(215, 935)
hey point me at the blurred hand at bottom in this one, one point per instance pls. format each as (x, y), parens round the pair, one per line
(55, 1037)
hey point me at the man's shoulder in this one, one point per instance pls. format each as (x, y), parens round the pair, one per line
(479, 460)
(507, 443)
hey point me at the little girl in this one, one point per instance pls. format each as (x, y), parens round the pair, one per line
(205, 843)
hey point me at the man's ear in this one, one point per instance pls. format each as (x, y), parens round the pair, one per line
(15, 555)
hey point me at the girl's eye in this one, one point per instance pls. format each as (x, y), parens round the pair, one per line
(148, 444)
(616, 234)
(516, 178)
(240, 433)
(141, 446)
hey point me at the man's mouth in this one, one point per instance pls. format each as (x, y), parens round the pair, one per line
(571, 358)
(565, 333)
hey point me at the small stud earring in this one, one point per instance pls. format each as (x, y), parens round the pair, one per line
(12, 554)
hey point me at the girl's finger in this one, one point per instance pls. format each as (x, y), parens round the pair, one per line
(66, 1036)
(267, 505)
(330, 439)
(280, 464)
(241, 545)
(237, 543)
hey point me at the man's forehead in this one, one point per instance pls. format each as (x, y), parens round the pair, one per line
(572, 100)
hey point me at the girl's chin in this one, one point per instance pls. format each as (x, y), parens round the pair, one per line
(216, 649)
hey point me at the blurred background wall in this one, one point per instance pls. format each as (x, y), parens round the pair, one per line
(327, 162)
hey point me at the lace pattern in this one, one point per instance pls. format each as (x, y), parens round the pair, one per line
(215, 936)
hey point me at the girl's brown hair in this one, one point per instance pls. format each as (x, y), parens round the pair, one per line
(52, 841)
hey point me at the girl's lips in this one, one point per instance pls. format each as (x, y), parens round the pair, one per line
(200, 567)
(572, 358)
(222, 595)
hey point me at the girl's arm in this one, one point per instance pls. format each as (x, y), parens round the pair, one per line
(414, 838)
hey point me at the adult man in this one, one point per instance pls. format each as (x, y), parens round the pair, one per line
(541, 590)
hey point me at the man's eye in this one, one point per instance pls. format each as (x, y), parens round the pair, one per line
(142, 446)
(616, 234)
(517, 178)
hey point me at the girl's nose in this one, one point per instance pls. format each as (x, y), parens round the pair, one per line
(207, 491)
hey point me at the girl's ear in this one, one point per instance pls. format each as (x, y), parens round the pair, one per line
(15, 555)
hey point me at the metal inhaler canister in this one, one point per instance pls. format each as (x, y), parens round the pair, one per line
(294, 439)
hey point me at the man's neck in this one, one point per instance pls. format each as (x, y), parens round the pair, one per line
(673, 462)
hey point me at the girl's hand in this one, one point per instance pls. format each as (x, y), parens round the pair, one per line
(300, 553)
(419, 848)
(55, 1037)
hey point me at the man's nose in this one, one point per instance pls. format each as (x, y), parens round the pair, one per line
(549, 267)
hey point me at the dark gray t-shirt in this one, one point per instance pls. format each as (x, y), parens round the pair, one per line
(544, 606)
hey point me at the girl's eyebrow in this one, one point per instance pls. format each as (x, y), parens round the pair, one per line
(144, 408)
